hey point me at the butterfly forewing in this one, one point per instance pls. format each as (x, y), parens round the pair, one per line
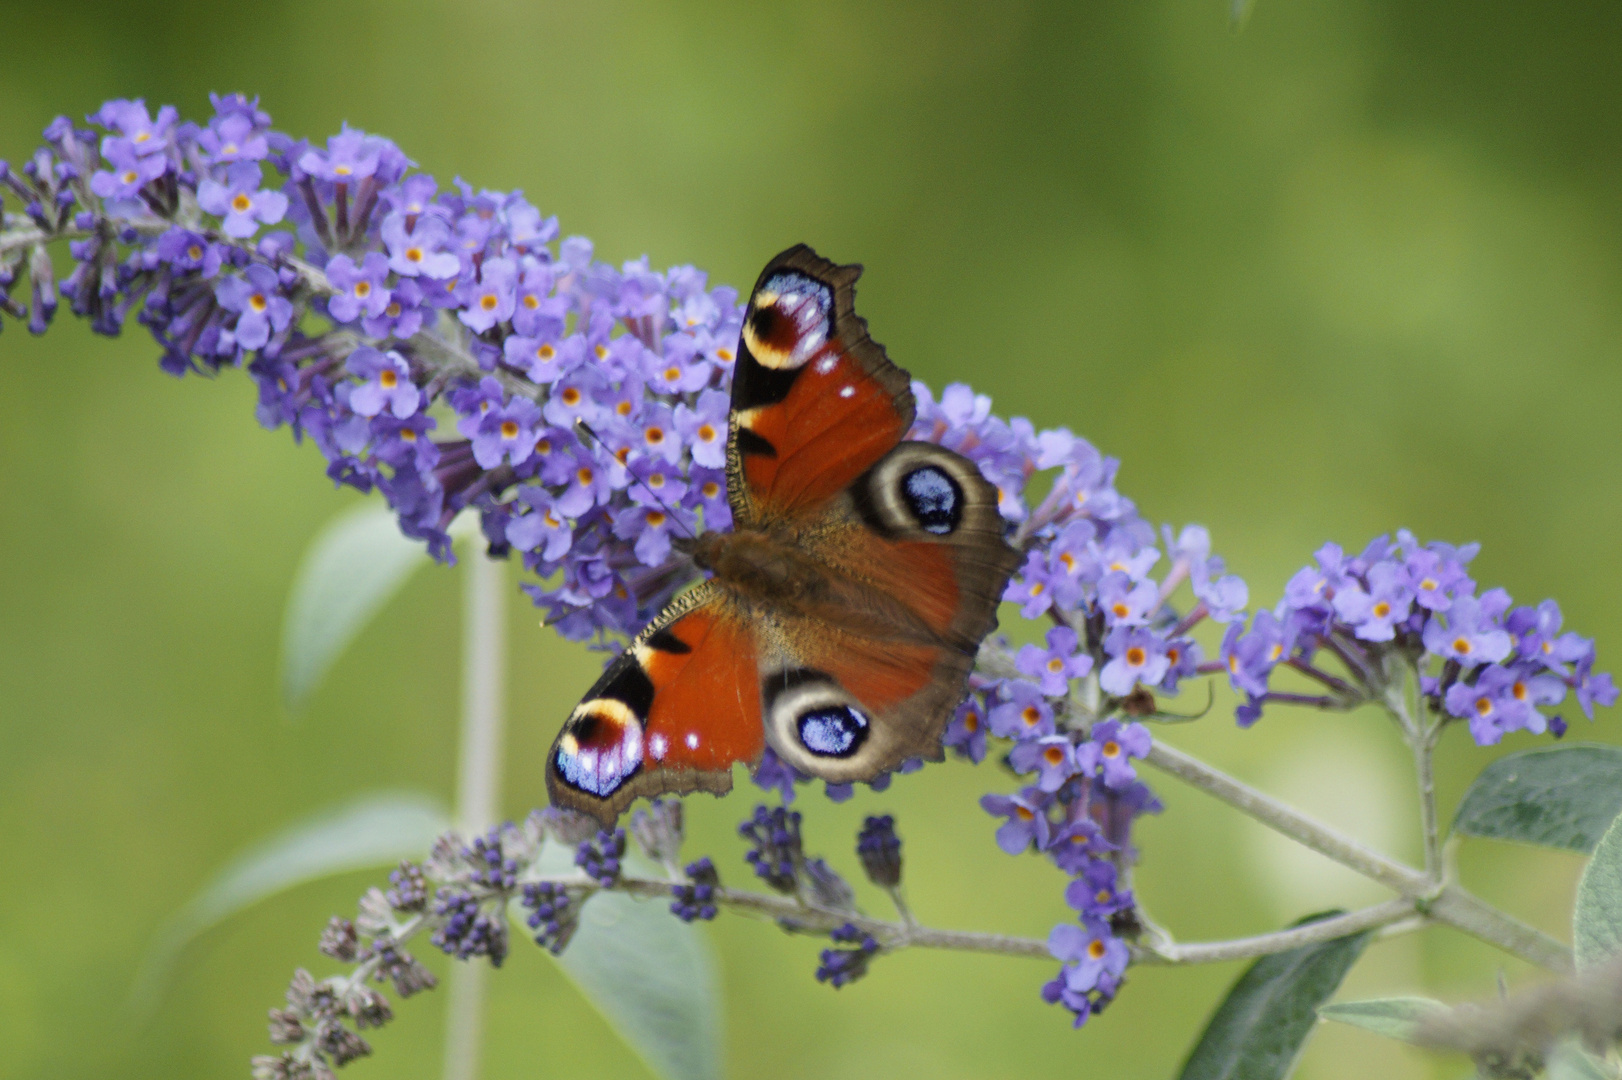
(815, 402)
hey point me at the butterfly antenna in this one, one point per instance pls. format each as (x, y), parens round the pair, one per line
(585, 429)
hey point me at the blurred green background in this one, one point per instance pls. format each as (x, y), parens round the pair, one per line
(1355, 268)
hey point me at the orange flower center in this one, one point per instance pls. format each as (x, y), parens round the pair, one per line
(1053, 755)
(654, 435)
(1095, 950)
(706, 433)
(258, 302)
(1111, 749)
(1136, 656)
(363, 289)
(1483, 705)
(241, 204)
(1461, 645)
(545, 352)
(571, 396)
(1032, 716)
(488, 301)
(509, 429)
(413, 254)
(1382, 609)
(388, 378)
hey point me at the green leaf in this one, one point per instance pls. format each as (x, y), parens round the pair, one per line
(1569, 1061)
(349, 572)
(1395, 1018)
(1563, 797)
(1596, 925)
(374, 830)
(652, 976)
(1258, 1031)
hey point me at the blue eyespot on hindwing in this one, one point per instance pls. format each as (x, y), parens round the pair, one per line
(934, 498)
(836, 731)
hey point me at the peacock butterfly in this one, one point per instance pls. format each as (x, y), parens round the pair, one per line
(842, 612)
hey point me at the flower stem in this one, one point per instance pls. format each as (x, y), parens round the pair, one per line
(1289, 821)
(478, 786)
(1447, 904)
(1401, 700)
(1389, 913)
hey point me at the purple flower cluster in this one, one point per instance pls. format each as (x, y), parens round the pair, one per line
(600, 857)
(696, 898)
(839, 967)
(1069, 705)
(1479, 658)
(553, 914)
(879, 849)
(442, 308)
(775, 849)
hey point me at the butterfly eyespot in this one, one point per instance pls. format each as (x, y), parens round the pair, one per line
(791, 320)
(832, 730)
(600, 747)
(934, 498)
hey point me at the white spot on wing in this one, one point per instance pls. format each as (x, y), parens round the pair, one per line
(827, 364)
(658, 746)
(848, 391)
(692, 740)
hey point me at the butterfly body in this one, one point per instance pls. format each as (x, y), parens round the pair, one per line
(842, 612)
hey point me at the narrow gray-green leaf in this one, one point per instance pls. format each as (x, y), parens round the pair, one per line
(349, 572)
(1596, 925)
(1560, 796)
(373, 830)
(1569, 1061)
(1395, 1017)
(1258, 1031)
(652, 976)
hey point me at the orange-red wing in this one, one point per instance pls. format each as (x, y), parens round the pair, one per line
(815, 402)
(706, 702)
(670, 714)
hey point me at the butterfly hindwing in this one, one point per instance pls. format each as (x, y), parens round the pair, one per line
(671, 714)
(815, 401)
(856, 690)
